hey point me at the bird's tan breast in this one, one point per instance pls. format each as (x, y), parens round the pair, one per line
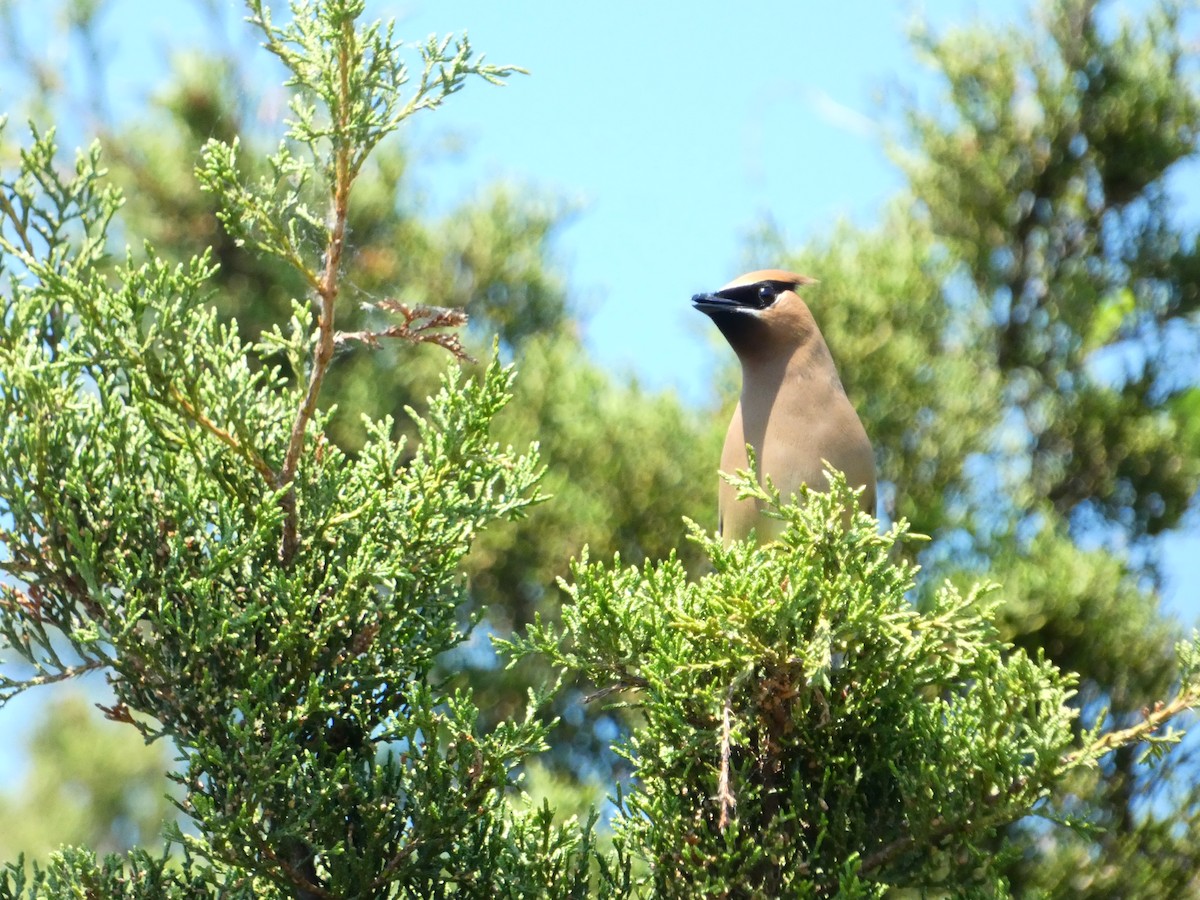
(793, 421)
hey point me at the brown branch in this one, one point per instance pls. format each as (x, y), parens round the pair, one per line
(394, 863)
(327, 294)
(260, 464)
(629, 683)
(417, 328)
(890, 851)
(63, 675)
(1116, 739)
(724, 794)
(11, 212)
(303, 883)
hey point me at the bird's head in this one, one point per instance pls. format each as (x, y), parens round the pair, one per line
(760, 312)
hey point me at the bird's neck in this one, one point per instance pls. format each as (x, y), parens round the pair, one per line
(807, 360)
(808, 366)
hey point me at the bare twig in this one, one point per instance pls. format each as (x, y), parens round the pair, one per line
(327, 294)
(66, 673)
(628, 683)
(418, 327)
(8, 209)
(725, 794)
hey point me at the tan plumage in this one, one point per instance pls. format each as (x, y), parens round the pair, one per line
(793, 410)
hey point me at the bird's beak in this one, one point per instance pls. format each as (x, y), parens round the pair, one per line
(709, 303)
(743, 298)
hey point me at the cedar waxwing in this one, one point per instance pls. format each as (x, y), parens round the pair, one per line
(793, 410)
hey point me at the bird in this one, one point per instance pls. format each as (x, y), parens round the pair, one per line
(793, 409)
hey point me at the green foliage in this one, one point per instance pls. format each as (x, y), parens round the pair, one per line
(227, 491)
(559, 872)
(1044, 174)
(77, 873)
(350, 79)
(622, 458)
(1087, 612)
(493, 257)
(1028, 374)
(808, 732)
(180, 519)
(1024, 377)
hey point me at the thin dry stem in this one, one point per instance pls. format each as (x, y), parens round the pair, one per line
(628, 683)
(1151, 723)
(725, 794)
(419, 327)
(11, 212)
(65, 674)
(327, 294)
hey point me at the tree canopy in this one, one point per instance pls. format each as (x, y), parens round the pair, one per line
(265, 478)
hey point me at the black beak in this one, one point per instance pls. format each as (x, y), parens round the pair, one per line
(744, 298)
(710, 303)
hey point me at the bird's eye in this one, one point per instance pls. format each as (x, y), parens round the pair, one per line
(766, 295)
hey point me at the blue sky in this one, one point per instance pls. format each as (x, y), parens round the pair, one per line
(679, 133)
(674, 134)
(675, 129)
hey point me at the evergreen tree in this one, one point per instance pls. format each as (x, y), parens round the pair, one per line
(493, 258)
(177, 513)
(1030, 374)
(279, 586)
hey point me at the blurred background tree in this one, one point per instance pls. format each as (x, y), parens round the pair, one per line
(1023, 331)
(622, 462)
(1019, 333)
(114, 798)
